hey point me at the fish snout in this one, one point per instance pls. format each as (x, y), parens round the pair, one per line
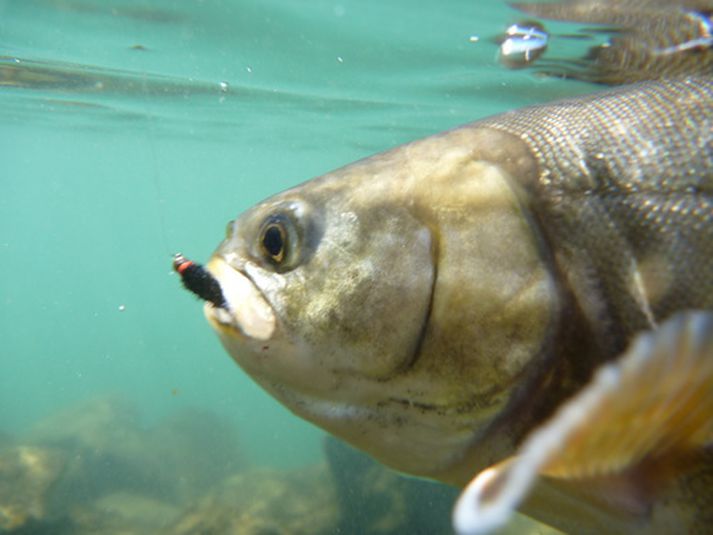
(246, 312)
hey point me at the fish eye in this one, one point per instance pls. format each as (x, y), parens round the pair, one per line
(274, 239)
(277, 241)
(284, 236)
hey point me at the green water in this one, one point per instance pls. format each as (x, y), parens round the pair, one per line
(134, 129)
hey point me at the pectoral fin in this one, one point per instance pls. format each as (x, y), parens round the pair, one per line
(622, 438)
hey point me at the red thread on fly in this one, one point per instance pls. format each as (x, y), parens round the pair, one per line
(198, 280)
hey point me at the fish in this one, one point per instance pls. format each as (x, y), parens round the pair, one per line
(521, 307)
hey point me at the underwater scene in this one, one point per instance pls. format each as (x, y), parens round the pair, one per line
(133, 130)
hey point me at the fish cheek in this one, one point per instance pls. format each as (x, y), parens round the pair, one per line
(365, 295)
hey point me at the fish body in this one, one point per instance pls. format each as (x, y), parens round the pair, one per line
(438, 304)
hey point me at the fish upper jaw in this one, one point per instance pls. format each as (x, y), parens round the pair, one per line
(248, 313)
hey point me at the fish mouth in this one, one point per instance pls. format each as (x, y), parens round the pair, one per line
(246, 312)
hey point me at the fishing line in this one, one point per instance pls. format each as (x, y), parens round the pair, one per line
(155, 173)
(156, 179)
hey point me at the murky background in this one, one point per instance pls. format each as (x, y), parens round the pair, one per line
(133, 129)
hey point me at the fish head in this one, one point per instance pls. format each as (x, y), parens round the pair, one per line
(371, 301)
(336, 290)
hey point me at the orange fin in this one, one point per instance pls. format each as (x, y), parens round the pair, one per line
(652, 407)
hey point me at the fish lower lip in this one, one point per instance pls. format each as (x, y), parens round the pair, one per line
(221, 314)
(246, 309)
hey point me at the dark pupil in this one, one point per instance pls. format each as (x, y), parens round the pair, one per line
(273, 241)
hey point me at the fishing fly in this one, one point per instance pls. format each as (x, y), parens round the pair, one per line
(197, 279)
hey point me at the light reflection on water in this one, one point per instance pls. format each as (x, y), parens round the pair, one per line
(133, 130)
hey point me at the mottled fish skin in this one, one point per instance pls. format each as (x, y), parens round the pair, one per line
(650, 39)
